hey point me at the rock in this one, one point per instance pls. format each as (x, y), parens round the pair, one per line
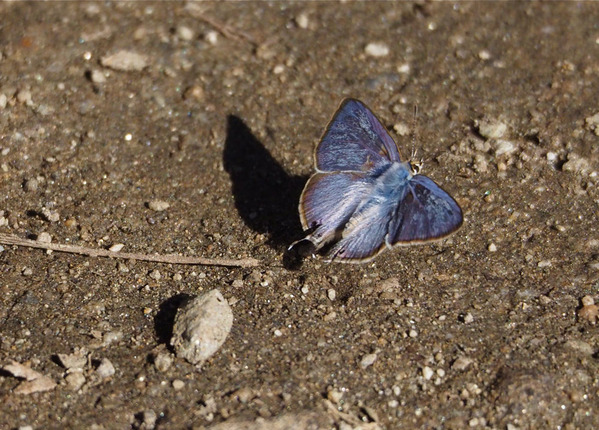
(367, 360)
(44, 237)
(461, 363)
(184, 33)
(97, 77)
(125, 61)
(163, 361)
(75, 380)
(491, 128)
(117, 247)
(201, 327)
(158, 205)
(105, 369)
(73, 361)
(376, 49)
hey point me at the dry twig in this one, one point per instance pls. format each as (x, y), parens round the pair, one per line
(7, 239)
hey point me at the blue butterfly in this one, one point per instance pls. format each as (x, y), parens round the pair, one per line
(363, 198)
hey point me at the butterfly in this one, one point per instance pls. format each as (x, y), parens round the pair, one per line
(363, 198)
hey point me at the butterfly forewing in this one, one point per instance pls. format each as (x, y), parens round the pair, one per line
(354, 140)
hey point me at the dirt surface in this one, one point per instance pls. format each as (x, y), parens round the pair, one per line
(218, 117)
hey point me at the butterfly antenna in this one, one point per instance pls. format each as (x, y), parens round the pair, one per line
(415, 163)
(414, 132)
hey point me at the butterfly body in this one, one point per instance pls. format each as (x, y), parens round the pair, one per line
(363, 198)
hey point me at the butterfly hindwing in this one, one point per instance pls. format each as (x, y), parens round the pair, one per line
(329, 200)
(355, 140)
(364, 234)
(425, 213)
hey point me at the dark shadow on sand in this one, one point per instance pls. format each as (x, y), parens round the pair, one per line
(266, 196)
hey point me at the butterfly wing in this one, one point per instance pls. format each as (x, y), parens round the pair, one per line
(364, 235)
(354, 140)
(425, 213)
(328, 201)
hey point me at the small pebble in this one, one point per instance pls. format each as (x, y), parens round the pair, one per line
(24, 97)
(576, 164)
(3, 100)
(116, 247)
(468, 318)
(492, 247)
(461, 363)
(589, 311)
(580, 346)
(97, 77)
(401, 129)
(243, 395)
(178, 384)
(491, 129)
(177, 277)
(427, 373)
(70, 222)
(278, 333)
(504, 147)
(27, 271)
(413, 333)
(377, 49)
(592, 123)
(331, 294)
(44, 237)
(75, 380)
(50, 215)
(201, 327)
(111, 337)
(367, 360)
(73, 361)
(302, 20)
(184, 33)
(155, 274)
(105, 369)
(163, 361)
(158, 205)
(194, 92)
(125, 61)
(30, 185)
(588, 301)
(211, 37)
(334, 396)
(149, 419)
(330, 316)
(484, 55)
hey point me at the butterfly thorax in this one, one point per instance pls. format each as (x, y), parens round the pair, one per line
(392, 179)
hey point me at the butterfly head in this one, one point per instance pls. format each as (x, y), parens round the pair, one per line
(416, 167)
(415, 164)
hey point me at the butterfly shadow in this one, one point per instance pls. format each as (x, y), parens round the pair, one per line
(266, 196)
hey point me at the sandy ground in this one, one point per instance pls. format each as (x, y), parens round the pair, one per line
(218, 117)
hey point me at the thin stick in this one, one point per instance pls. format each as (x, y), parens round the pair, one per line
(8, 239)
(227, 31)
